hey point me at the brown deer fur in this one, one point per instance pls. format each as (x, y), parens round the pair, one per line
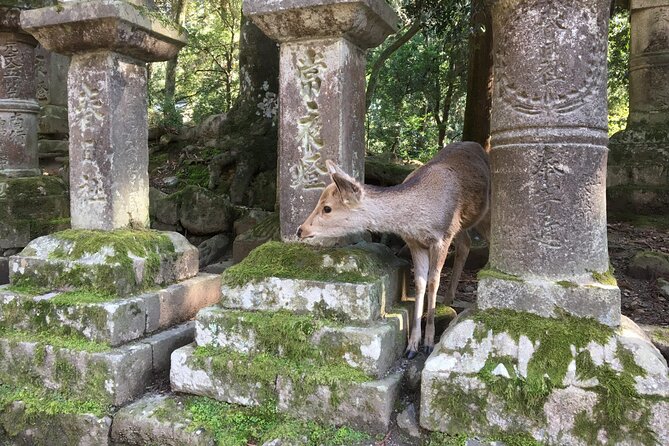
(431, 209)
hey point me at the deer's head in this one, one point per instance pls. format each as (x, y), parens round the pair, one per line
(337, 212)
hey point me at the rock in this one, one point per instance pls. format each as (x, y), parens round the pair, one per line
(408, 421)
(663, 285)
(414, 372)
(213, 249)
(660, 337)
(203, 212)
(170, 181)
(649, 265)
(218, 268)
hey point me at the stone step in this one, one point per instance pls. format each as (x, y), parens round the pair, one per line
(372, 348)
(111, 321)
(121, 262)
(88, 369)
(332, 394)
(350, 284)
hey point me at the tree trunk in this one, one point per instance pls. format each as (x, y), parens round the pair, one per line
(248, 135)
(479, 77)
(170, 115)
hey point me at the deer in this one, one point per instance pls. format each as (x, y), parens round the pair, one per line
(435, 206)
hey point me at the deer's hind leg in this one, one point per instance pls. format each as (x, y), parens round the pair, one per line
(462, 244)
(421, 262)
(438, 253)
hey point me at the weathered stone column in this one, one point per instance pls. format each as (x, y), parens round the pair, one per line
(322, 91)
(110, 42)
(639, 160)
(18, 107)
(53, 128)
(549, 135)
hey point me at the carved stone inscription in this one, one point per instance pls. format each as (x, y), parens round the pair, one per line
(549, 58)
(11, 64)
(310, 167)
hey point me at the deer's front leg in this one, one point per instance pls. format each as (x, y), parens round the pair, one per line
(420, 267)
(438, 253)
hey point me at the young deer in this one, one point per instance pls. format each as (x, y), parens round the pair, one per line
(433, 207)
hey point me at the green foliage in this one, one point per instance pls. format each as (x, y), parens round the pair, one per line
(41, 401)
(618, 60)
(69, 341)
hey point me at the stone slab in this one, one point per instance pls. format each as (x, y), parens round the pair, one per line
(17, 428)
(53, 120)
(77, 27)
(372, 348)
(598, 301)
(454, 374)
(114, 322)
(347, 301)
(49, 262)
(366, 406)
(157, 419)
(114, 376)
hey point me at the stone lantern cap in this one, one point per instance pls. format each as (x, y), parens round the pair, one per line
(643, 4)
(115, 25)
(366, 23)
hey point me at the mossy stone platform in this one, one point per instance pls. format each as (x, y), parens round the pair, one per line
(559, 381)
(119, 262)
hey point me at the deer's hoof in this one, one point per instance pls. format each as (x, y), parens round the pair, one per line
(411, 354)
(428, 349)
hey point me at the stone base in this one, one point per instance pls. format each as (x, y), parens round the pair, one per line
(113, 376)
(372, 348)
(237, 379)
(120, 262)
(31, 207)
(579, 298)
(19, 428)
(567, 381)
(638, 170)
(111, 321)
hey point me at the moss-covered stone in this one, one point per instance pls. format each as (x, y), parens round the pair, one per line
(497, 274)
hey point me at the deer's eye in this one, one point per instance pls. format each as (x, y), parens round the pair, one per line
(327, 209)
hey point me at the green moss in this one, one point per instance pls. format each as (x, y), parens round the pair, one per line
(442, 439)
(465, 408)
(300, 261)
(194, 174)
(41, 401)
(515, 439)
(72, 341)
(493, 273)
(71, 298)
(567, 284)
(606, 277)
(239, 426)
(137, 242)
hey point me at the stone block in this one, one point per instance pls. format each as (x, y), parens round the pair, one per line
(53, 148)
(164, 343)
(4, 270)
(157, 419)
(363, 405)
(371, 348)
(182, 301)
(596, 300)
(119, 262)
(481, 375)
(19, 428)
(115, 376)
(53, 120)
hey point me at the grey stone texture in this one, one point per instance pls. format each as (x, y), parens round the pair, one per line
(455, 369)
(182, 301)
(322, 65)
(549, 137)
(649, 58)
(649, 265)
(160, 420)
(366, 405)
(213, 249)
(19, 110)
(19, 428)
(47, 262)
(372, 348)
(109, 41)
(53, 127)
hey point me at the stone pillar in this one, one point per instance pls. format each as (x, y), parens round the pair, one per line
(649, 62)
(639, 159)
(53, 129)
(110, 43)
(548, 251)
(322, 91)
(18, 107)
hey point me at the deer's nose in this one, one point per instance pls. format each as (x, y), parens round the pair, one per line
(299, 232)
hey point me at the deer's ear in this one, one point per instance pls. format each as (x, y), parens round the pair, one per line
(332, 167)
(349, 189)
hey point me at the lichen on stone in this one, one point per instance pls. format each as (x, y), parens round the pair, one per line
(493, 273)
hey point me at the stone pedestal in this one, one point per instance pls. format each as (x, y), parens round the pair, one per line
(639, 159)
(322, 91)
(549, 137)
(110, 42)
(19, 110)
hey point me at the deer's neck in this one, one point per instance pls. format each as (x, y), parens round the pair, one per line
(384, 208)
